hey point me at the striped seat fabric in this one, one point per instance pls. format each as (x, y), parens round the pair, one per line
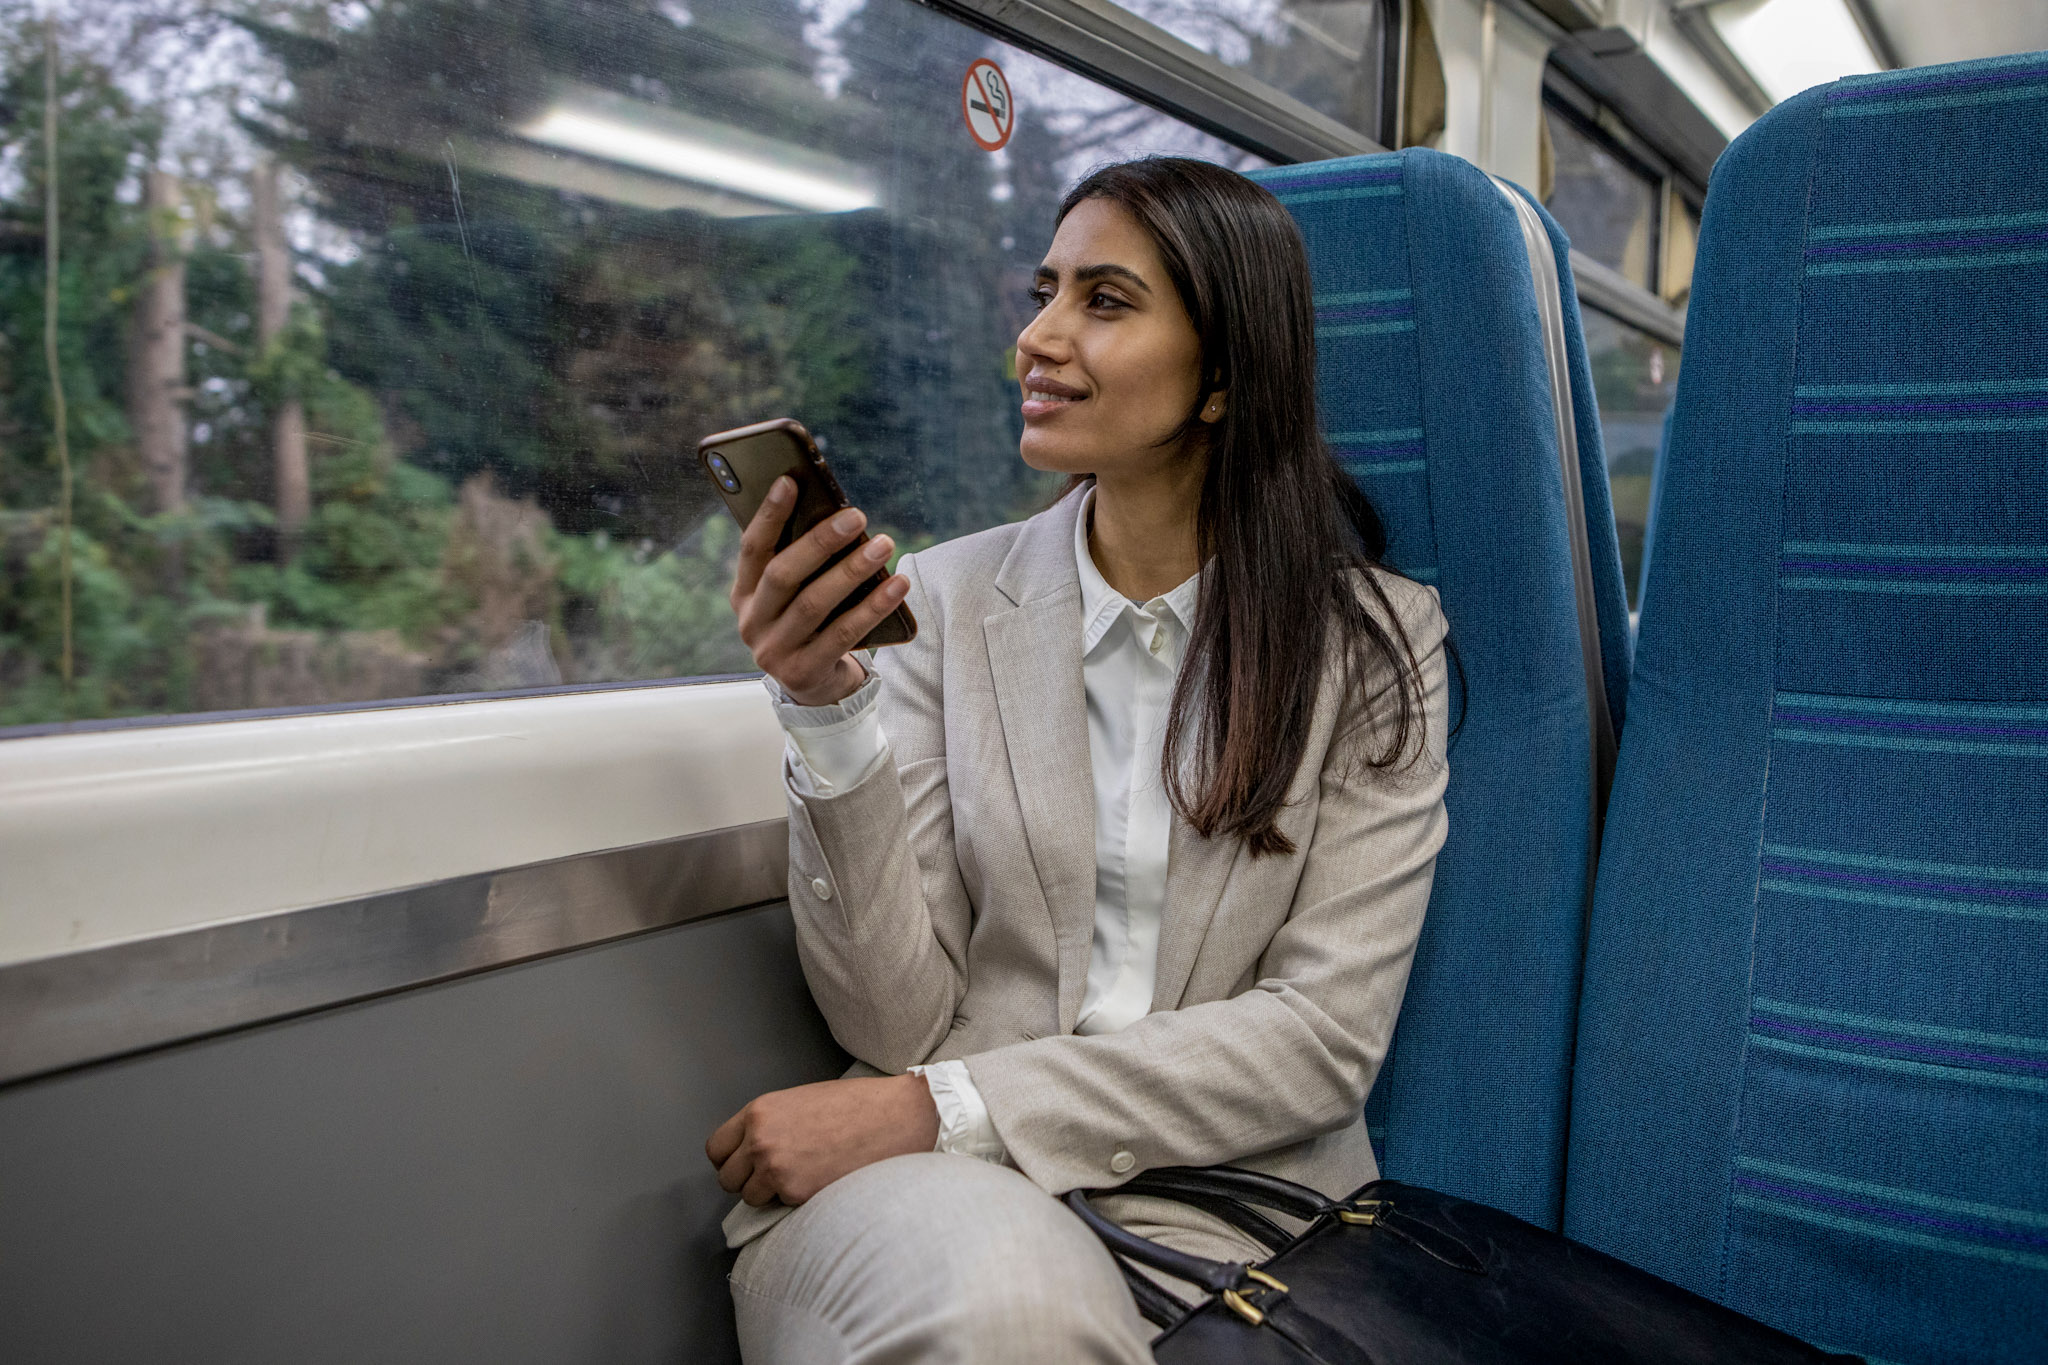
(1813, 1062)
(1437, 398)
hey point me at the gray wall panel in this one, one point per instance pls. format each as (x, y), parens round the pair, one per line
(503, 1168)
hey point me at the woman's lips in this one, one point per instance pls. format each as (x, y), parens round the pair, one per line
(1043, 398)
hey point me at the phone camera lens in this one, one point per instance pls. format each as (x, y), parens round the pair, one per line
(723, 472)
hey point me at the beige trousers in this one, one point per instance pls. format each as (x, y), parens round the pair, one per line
(942, 1258)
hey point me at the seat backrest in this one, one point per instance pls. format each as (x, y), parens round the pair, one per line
(1438, 397)
(1813, 1060)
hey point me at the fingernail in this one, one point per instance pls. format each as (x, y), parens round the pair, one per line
(878, 549)
(780, 492)
(897, 586)
(846, 522)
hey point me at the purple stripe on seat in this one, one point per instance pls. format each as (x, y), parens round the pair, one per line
(1376, 452)
(1935, 727)
(1354, 312)
(1812, 408)
(1939, 570)
(1892, 1045)
(1338, 177)
(2025, 73)
(1897, 1215)
(1910, 883)
(1927, 244)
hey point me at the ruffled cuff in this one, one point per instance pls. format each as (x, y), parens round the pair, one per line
(964, 1125)
(832, 748)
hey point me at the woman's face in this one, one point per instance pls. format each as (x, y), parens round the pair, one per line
(1110, 366)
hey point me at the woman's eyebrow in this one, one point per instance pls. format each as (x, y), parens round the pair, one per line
(1090, 273)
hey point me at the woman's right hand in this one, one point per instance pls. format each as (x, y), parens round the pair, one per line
(783, 622)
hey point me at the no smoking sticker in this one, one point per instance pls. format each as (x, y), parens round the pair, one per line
(986, 104)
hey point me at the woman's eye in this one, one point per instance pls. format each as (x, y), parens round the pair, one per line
(1039, 297)
(1106, 301)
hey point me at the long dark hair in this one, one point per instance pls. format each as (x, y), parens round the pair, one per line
(1294, 542)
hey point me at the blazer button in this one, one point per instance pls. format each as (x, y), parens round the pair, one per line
(821, 888)
(1122, 1162)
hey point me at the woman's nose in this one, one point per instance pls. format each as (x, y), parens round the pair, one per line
(1043, 336)
(1043, 340)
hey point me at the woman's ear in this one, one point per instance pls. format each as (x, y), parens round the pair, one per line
(1212, 411)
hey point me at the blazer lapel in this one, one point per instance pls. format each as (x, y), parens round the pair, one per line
(1034, 653)
(1198, 872)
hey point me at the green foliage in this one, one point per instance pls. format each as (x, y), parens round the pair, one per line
(501, 379)
(645, 615)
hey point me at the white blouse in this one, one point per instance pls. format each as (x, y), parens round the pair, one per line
(1130, 658)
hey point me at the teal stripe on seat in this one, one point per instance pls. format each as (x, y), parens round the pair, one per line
(1863, 549)
(1366, 329)
(1787, 1209)
(1956, 388)
(1893, 900)
(1978, 748)
(2019, 1217)
(2004, 95)
(1386, 467)
(1979, 871)
(1371, 296)
(1787, 1010)
(1963, 261)
(1384, 436)
(1354, 192)
(1907, 227)
(1995, 1080)
(1889, 706)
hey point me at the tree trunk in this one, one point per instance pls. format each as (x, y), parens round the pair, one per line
(156, 351)
(273, 309)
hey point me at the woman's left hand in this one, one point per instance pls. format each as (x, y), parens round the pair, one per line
(789, 1144)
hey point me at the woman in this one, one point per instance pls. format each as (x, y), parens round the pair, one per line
(1059, 957)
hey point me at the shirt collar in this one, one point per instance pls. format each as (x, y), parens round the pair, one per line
(1102, 605)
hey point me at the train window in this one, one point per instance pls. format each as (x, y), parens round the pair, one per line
(1681, 241)
(1635, 377)
(1606, 202)
(385, 333)
(1336, 56)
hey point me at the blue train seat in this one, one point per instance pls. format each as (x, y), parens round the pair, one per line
(1449, 390)
(1813, 1060)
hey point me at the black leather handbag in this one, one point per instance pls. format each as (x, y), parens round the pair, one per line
(1397, 1275)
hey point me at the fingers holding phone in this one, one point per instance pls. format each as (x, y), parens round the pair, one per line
(790, 613)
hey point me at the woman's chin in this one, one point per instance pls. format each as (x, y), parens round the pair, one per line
(1042, 452)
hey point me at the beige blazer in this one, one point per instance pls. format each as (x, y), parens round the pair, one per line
(945, 906)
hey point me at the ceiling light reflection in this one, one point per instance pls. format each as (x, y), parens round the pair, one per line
(686, 158)
(1793, 45)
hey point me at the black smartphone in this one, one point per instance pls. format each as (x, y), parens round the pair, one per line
(743, 464)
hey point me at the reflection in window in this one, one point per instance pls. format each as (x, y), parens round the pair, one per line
(1606, 206)
(1635, 378)
(387, 332)
(1681, 243)
(1332, 55)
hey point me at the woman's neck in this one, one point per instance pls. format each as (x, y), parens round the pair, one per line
(1142, 534)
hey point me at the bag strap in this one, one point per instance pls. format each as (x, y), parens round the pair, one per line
(1232, 1182)
(1215, 1276)
(1156, 1304)
(1225, 1208)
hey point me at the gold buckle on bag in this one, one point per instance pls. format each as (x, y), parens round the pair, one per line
(1243, 1307)
(1363, 1212)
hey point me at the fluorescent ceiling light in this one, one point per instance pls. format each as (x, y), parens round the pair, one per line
(1792, 45)
(755, 173)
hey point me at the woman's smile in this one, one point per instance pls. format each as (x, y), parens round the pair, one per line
(1044, 397)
